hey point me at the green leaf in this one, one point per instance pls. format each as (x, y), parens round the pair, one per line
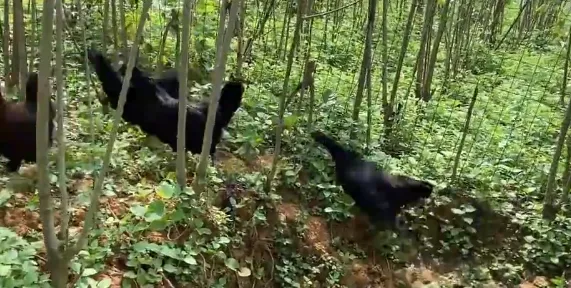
(203, 231)
(5, 195)
(289, 121)
(457, 211)
(177, 215)
(232, 264)
(155, 211)
(244, 272)
(169, 268)
(189, 260)
(140, 247)
(105, 283)
(159, 225)
(138, 210)
(223, 240)
(88, 272)
(166, 190)
(188, 191)
(198, 222)
(5, 270)
(168, 251)
(468, 220)
(10, 256)
(468, 208)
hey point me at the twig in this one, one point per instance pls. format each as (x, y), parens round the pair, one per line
(464, 134)
(273, 263)
(166, 280)
(331, 11)
(513, 24)
(204, 266)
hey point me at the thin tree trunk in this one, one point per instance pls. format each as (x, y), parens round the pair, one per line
(464, 134)
(366, 62)
(268, 11)
(285, 89)
(241, 51)
(549, 209)
(496, 27)
(424, 43)
(56, 266)
(115, 30)
(285, 26)
(6, 43)
(64, 206)
(286, 38)
(567, 175)
(94, 199)
(218, 76)
(182, 98)
(34, 16)
(162, 44)
(105, 24)
(122, 28)
(426, 95)
(388, 105)
(565, 71)
(19, 58)
(104, 105)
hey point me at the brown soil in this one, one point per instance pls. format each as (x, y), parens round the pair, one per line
(317, 237)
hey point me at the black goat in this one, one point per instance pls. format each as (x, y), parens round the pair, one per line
(155, 111)
(380, 195)
(18, 126)
(168, 79)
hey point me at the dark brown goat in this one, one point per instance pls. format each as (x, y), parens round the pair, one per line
(18, 126)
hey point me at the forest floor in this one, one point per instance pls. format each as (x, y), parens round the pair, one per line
(313, 235)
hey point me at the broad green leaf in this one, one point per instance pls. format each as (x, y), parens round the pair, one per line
(468, 220)
(244, 272)
(203, 231)
(5, 195)
(105, 283)
(232, 264)
(223, 240)
(166, 190)
(138, 210)
(468, 208)
(289, 121)
(457, 211)
(88, 272)
(5, 270)
(189, 260)
(169, 268)
(155, 211)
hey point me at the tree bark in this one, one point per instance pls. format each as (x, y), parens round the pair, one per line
(218, 76)
(55, 264)
(94, 200)
(182, 98)
(366, 62)
(285, 88)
